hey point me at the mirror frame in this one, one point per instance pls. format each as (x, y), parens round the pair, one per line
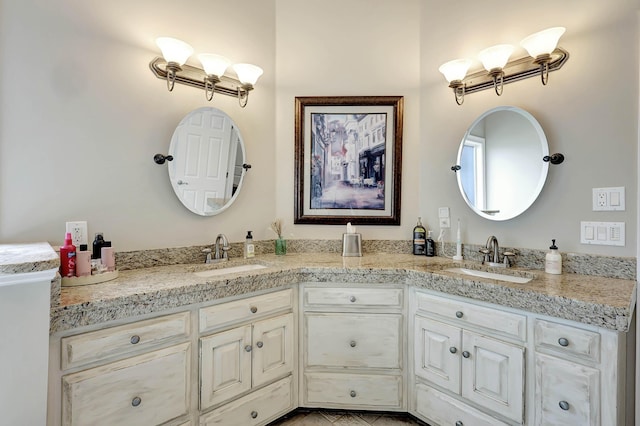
(542, 139)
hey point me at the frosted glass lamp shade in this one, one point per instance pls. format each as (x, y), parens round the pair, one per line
(543, 42)
(495, 57)
(455, 70)
(247, 73)
(174, 50)
(214, 64)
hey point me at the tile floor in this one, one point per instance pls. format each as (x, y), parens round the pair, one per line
(302, 417)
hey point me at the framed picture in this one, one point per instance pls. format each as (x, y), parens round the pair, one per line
(348, 160)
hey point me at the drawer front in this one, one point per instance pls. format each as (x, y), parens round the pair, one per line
(353, 391)
(567, 340)
(353, 297)
(123, 340)
(505, 323)
(257, 408)
(217, 316)
(442, 409)
(148, 389)
(353, 340)
(566, 393)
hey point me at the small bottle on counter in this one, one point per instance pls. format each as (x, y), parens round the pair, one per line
(108, 257)
(553, 260)
(68, 257)
(430, 246)
(419, 238)
(83, 261)
(249, 248)
(97, 246)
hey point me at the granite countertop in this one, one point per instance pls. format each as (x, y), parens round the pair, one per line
(599, 301)
(23, 258)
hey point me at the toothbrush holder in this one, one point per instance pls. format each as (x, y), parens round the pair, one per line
(351, 245)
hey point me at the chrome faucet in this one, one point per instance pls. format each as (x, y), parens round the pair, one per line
(492, 244)
(493, 248)
(221, 251)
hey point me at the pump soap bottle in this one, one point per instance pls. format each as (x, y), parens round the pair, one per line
(249, 248)
(419, 238)
(553, 260)
(430, 246)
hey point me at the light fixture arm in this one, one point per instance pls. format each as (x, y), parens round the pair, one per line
(210, 82)
(243, 94)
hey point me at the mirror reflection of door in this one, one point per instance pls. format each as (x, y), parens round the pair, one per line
(472, 176)
(205, 147)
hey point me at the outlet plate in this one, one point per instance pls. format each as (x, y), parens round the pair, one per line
(79, 233)
(602, 233)
(445, 222)
(608, 199)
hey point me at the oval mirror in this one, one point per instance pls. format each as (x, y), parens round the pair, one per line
(501, 168)
(208, 158)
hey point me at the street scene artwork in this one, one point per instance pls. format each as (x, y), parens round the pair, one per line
(347, 159)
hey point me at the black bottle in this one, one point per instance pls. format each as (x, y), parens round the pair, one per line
(431, 246)
(419, 239)
(97, 246)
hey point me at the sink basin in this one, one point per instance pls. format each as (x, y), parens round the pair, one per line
(229, 270)
(491, 275)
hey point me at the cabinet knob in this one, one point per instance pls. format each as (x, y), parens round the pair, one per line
(135, 339)
(466, 354)
(352, 299)
(136, 401)
(353, 343)
(254, 309)
(254, 414)
(259, 344)
(453, 349)
(247, 348)
(564, 405)
(563, 341)
(459, 314)
(353, 394)
(459, 423)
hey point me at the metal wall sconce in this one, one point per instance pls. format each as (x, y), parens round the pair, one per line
(498, 70)
(172, 68)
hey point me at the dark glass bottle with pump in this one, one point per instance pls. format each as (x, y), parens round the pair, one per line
(419, 239)
(431, 246)
(98, 242)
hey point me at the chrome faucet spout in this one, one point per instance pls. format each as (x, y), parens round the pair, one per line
(492, 244)
(221, 251)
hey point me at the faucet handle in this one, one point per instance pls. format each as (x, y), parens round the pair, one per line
(208, 252)
(507, 255)
(486, 253)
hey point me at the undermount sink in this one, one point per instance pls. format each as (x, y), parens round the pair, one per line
(229, 270)
(491, 275)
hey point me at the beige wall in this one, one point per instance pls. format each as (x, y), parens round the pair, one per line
(81, 116)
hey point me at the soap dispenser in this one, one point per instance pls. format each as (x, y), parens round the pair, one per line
(419, 238)
(249, 248)
(553, 260)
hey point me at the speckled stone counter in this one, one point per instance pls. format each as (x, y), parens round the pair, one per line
(23, 258)
(599, 301)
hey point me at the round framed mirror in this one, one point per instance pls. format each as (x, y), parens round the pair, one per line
(208, 161)
(500, 163)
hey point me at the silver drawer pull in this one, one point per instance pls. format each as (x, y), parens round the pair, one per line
(352, 299)
(466, 354)
(135, 339)
(459, 314)
(254, 309)
(136, 401)
(353, 394)
(453, 349)
(247, 348)
(564, 405)
(353, 343)
(563, 342)
(254, 414)
(259, 344)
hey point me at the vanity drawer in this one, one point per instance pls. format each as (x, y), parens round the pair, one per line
(567, 340)
(258, 407)
(505, 323)
(127, 339)
(145, 390)
(353, 340)
(217, 316)
(353, 391)
(353, 297)
(443, 409)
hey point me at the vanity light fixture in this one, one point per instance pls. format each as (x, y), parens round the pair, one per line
(171, 66)
(544, 57)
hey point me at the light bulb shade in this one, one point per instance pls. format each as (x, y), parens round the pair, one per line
(214, 64)
(455, 70)
(174, 50)
(543, 42)
(495, 56)
(247, 73)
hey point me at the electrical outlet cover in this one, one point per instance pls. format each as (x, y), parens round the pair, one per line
(79, 233)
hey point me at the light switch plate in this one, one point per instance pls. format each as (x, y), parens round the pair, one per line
(443, 212)
(602, 233)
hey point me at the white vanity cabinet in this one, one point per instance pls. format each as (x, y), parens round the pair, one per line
(353, 346)
(247, 357)
(470, 356)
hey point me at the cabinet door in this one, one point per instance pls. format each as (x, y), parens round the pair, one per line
(273, 349)
(493, 374)
(566, 393)
(437, 353)
(225, 365)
